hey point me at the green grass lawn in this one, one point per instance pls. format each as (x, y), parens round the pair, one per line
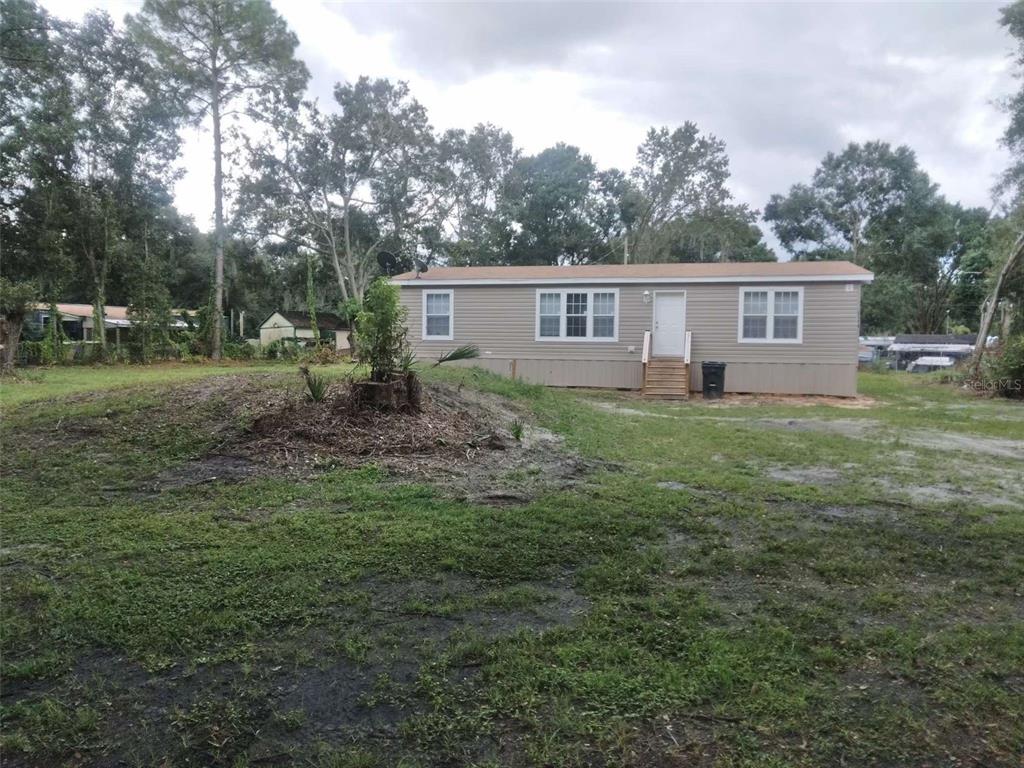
(736, 585)
(46, 383)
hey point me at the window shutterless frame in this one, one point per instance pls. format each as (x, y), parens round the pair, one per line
(590, 313)
(770, 291)
(450, 314)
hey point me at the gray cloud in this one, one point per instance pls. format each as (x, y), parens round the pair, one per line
(456, 41)
(782, 84)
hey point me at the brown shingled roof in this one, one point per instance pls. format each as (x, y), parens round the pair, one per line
(753, 269)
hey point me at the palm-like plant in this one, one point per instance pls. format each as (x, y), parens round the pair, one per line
(316, 385)
(465, 352)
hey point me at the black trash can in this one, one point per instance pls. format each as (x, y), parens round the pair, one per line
(713, 378)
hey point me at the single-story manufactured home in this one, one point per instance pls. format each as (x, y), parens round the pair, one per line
(295, 326)
(788, 327)
(78, 323)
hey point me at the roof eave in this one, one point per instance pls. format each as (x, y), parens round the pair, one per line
(865, 277)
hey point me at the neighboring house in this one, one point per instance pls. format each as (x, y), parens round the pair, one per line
(296, 326)
(78, 323)
(781, 327)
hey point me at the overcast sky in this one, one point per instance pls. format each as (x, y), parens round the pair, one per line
(781, 84)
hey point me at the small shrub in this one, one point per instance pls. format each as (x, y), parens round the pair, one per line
(321, 354)
(238, 350)
(316, 385)
(31, 352)
(1003, 372)
(281, 349)
(380, 331)
(517, 429)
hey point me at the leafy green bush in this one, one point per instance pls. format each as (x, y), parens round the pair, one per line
(1003, 371)
(238, 350)
(31, 352)
(281, 349)
(349, 310)
(321, 354)
(381, 334)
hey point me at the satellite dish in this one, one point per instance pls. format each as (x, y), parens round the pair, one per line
(388, 263)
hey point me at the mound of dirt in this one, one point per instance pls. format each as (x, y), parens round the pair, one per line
(338, 428)
(461, 441)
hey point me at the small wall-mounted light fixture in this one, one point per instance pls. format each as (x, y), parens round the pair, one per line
(647, 297)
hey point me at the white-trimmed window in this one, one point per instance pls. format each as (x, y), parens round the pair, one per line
(438, 315)
(771, 315)
(577, 314)
(604, 316)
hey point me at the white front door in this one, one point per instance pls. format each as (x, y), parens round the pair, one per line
(669, 325)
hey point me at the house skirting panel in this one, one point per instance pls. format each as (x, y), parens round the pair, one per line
(838, 379)
(768, 378)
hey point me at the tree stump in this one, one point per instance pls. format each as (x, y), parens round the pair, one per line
(401, 393)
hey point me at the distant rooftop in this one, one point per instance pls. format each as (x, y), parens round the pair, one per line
(111, 311)
(325, 321)
(936, 338)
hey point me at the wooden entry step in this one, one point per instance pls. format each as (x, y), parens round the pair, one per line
(667, 379)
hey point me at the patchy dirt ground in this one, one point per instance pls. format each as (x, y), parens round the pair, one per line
(732, 399)
(988, 471)
(950, 441)
(353, 677)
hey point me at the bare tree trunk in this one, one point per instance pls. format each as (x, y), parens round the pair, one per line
(10, 337)
(99, 302)
(336, 263)
(99, 327)
(355, 284)
(218, 226)
(1009, 314)
(992, 302)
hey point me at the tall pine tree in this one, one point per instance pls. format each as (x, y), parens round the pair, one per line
(212, 53)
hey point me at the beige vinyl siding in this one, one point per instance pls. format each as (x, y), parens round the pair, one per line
(501, 321)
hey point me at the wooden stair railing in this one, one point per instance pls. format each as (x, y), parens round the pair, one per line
(666, 377)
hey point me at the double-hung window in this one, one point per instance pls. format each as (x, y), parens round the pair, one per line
(771, 315)
(577, 314)
(438, 315)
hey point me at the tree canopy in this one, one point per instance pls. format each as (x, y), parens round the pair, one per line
(325, 193)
